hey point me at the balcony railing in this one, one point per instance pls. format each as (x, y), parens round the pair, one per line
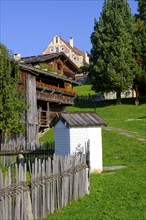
(45, 118)
(58, 98)
(55, 89)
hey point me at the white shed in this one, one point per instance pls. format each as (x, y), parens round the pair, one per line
(75, 129)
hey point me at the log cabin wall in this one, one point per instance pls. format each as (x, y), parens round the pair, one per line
(60, 67)
(31, 114)
(29, 139)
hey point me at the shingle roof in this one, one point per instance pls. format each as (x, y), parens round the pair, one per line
(79, 119)
(47, 57)
(37, 71)
(75, 49)
(39, 58)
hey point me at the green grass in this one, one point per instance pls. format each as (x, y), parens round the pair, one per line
(48, 136)
(121, 194)
(84, 90)
(126, 116)
(114, 195)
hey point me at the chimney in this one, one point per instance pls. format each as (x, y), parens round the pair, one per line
(71, 42)
(86, 58)
(17, 56)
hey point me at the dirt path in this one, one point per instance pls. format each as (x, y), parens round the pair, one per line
(126, 133)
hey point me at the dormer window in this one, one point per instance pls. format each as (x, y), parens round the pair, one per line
(57, 49)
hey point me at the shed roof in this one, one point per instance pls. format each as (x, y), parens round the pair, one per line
(79, 119)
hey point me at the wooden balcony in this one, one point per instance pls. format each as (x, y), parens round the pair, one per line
(51, 95)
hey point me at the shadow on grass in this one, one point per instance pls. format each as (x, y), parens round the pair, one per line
(105, 103)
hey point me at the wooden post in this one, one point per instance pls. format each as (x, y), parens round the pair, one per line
(48, 113)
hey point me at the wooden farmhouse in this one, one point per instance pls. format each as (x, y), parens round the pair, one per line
(54, 72)
(74, 130)
(43, 79)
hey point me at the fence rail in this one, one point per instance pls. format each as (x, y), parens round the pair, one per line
(8, 157)
(90, 98)
(34, 190)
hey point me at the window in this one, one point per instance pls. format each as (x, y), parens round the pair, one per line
(56, 40)
(74, 58)
(62, 48)
(57, 49)
(59, 66)
(51, 50)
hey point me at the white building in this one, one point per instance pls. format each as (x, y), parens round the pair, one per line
(79, 57)
(75, 129)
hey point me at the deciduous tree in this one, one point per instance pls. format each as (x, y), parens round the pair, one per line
(11, 98)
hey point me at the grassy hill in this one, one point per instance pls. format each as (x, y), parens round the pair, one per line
(126, 116)
(84, 90)
(115, 194)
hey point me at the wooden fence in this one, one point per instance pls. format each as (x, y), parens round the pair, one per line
(9, 157)
(90, 98)
(34, 190)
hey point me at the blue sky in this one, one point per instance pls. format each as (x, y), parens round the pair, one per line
(27, 27)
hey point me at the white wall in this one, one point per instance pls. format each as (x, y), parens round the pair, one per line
(80, 136)
(95, 137)
(67, 141)
(62, 139)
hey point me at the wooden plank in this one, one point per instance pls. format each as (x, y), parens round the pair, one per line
(43, 191)
(39, 202)
(53, 188)
(35, 201)
(49, 186)
(9, 198)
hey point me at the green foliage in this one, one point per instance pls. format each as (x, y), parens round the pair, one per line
(84, 69)
(11, 98)
(142, 10)
(46, 66)
(140, 46)
(112, 66)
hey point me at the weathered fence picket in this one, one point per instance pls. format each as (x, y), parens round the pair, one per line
(54, 183)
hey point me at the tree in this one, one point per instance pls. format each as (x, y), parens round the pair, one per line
(112, 65)
(141, 10)
(11, 98)
(140, 48)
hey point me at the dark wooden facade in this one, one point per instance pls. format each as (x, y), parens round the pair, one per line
(51, 95)
(29, 139)
(58, 62)
(45, 95)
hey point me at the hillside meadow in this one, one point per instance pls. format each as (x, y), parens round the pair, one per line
(118, 194)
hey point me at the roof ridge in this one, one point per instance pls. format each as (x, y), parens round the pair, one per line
(75, 49)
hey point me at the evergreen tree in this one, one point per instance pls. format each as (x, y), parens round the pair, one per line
(142, 10)
(112, 65)
(11, 98)
(140, 48)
